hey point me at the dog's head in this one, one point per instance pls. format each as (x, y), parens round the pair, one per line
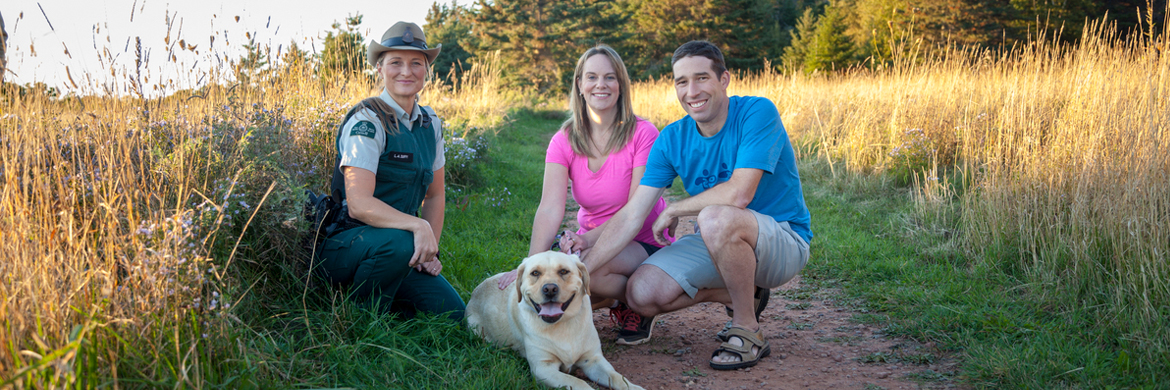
(550, 282)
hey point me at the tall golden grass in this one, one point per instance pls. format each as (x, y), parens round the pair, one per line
(1050, 162)
(120, 216)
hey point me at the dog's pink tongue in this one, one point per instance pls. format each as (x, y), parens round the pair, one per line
(551, 309)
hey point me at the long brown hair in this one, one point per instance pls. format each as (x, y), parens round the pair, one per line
(578, 127)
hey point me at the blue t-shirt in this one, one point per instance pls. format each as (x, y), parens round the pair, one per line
(752, 137)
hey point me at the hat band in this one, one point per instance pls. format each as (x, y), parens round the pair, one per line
(397, 41)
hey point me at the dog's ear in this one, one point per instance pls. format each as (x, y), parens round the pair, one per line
(518, 282)
(584, 275)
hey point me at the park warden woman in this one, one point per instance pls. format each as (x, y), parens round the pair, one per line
(390, 172)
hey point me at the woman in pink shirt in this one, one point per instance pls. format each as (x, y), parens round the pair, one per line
(602, 150)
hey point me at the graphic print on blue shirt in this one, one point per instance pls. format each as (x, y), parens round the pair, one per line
(710, 179)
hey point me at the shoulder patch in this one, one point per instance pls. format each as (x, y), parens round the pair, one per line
(364, 129)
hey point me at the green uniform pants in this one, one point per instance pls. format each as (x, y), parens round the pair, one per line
(375, 262)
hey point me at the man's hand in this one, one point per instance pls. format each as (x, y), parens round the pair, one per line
(664, 223)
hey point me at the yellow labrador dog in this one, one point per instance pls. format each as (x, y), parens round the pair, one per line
(548, 319)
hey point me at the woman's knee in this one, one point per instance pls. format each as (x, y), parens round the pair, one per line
(644, 287)
(454, 309)
(432, 294)
(383, 251)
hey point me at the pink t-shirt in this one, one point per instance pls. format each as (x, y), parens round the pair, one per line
(601, 194)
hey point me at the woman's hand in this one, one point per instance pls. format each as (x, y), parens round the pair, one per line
(506, 279)
(573, 243)
(432, 267)
(425, 245)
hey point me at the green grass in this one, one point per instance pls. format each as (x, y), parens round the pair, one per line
(801, 325)
(309, 336)
(867, 243)
(798, 306)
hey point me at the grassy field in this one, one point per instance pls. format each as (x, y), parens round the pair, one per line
(1043, 168)
(1011, 208)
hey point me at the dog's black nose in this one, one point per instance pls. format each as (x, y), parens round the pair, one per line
(550, 289)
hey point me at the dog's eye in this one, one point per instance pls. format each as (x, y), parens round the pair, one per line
(535, 273)
(563, 272)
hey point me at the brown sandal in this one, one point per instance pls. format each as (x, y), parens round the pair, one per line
(761, 301)
(746, 357)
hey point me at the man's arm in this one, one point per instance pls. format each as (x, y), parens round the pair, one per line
(737, 192)
(622, 228)
(591, 236)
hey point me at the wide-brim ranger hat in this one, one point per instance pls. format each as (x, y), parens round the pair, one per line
(402, 36)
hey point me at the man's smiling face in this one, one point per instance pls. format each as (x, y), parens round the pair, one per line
(702, 92)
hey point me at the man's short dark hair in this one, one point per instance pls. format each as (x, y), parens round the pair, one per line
(701, 49)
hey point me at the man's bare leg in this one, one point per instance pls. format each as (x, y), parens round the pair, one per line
(730, 235)
(651, 291)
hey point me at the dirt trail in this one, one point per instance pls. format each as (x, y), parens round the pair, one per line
(815, 342)
(815, 345)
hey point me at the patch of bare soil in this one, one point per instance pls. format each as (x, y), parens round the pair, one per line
(816, 344)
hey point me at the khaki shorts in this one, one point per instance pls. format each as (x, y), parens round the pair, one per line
(780, 255)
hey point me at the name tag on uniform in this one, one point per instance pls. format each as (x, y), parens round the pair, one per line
(402, 157)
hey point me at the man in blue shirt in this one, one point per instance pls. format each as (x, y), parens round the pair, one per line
(753, 233)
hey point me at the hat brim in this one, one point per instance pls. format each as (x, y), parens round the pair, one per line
(376, 49)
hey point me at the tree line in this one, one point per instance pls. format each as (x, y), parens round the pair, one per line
(539, 40)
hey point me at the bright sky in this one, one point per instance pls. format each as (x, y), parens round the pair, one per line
(87, 28)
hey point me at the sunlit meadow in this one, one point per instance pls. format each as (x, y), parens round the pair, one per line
(122, 218)
(1049, 163)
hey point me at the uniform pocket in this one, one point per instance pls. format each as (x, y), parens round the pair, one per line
(396, 173)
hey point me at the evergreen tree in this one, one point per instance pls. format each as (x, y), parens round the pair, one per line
(295, 58)
(875, 27)
(830, 48)
(295, 63)
(660, 26)
(803, 37)
(787, 14)
(452, 27)
(1131, 15)
(345, 51)
(253, 63)
(540, 40)
(981, 22)
(748, 31)
(819, 43)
